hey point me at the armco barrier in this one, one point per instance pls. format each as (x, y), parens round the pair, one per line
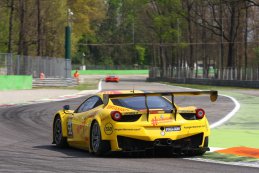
(214, 82)
(15, 82)
(54, 82)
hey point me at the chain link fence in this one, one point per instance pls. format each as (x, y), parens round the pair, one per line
(11, 64)
(109, 67)
(242, 74)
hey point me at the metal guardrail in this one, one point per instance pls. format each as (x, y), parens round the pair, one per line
(54, 82)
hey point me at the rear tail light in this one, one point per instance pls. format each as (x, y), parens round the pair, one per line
(200, 113)
(116, 115)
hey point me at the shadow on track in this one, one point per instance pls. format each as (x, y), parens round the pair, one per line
(78, 153)
(71, 152)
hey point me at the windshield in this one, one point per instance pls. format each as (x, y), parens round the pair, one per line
(138, 103)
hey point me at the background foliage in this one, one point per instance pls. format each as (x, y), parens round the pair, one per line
(159, 33)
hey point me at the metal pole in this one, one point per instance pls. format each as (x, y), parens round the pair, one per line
(68, 45)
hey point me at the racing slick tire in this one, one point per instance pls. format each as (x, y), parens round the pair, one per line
(59, 140)
(98, 146)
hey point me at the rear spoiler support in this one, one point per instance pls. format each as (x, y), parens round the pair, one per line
(175, 110)
(147, 107)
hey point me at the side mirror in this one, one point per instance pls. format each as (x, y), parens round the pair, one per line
(66, 107)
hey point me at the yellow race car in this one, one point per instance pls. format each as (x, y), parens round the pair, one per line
(134, 121)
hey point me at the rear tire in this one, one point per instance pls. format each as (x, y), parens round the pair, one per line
(99, 147)
(59, 140)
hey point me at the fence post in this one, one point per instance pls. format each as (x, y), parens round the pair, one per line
(257, 71)
(251, 76)
(241, 74)
(219, 73)
(236, 75)
(9, 64)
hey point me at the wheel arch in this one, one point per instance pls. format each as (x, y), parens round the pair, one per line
(63, 117)
(98, 120)
(90, 132)
(105, 144)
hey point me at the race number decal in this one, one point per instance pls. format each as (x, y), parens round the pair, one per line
(69, 128)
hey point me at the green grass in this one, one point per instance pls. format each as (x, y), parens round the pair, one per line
(231, 137)
(89, 85)
(111, 72)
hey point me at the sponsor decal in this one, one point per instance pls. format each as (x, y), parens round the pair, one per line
(111, 92)
(91, 116)
(186, 111)
(162, 133)
(161, 117)
(155, 121)
(124, 129)
(104, 118)
(194, 127)
(116, 108)
(130, 113)
(108, 129)
(81, 126)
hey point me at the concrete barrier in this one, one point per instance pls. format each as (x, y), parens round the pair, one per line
(15, 82)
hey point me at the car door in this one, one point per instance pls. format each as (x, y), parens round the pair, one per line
(80, 119)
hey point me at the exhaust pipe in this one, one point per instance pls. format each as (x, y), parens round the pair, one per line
(169, 141)
(156, 142)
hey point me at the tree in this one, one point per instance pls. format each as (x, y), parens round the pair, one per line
(141, 54)
(39, 29)
(10, 35)
(21, 44)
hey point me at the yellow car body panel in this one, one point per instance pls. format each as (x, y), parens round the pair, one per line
(151, 125)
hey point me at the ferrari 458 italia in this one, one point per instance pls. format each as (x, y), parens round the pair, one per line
(134, 121)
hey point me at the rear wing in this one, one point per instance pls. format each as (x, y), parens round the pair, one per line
(213, 96)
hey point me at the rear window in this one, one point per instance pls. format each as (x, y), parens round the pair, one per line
(138, 103)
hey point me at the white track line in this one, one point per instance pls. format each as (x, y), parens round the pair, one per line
(229, 115)
(100, 86)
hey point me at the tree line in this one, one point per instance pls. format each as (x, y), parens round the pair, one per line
(36, 27)
(162, 33)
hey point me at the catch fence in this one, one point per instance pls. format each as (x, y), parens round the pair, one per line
(242, 74)
(11, 64)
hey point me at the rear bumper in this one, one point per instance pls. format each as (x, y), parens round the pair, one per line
(143, 135)
(191, 143)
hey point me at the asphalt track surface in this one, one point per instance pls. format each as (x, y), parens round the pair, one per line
(25, 141)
